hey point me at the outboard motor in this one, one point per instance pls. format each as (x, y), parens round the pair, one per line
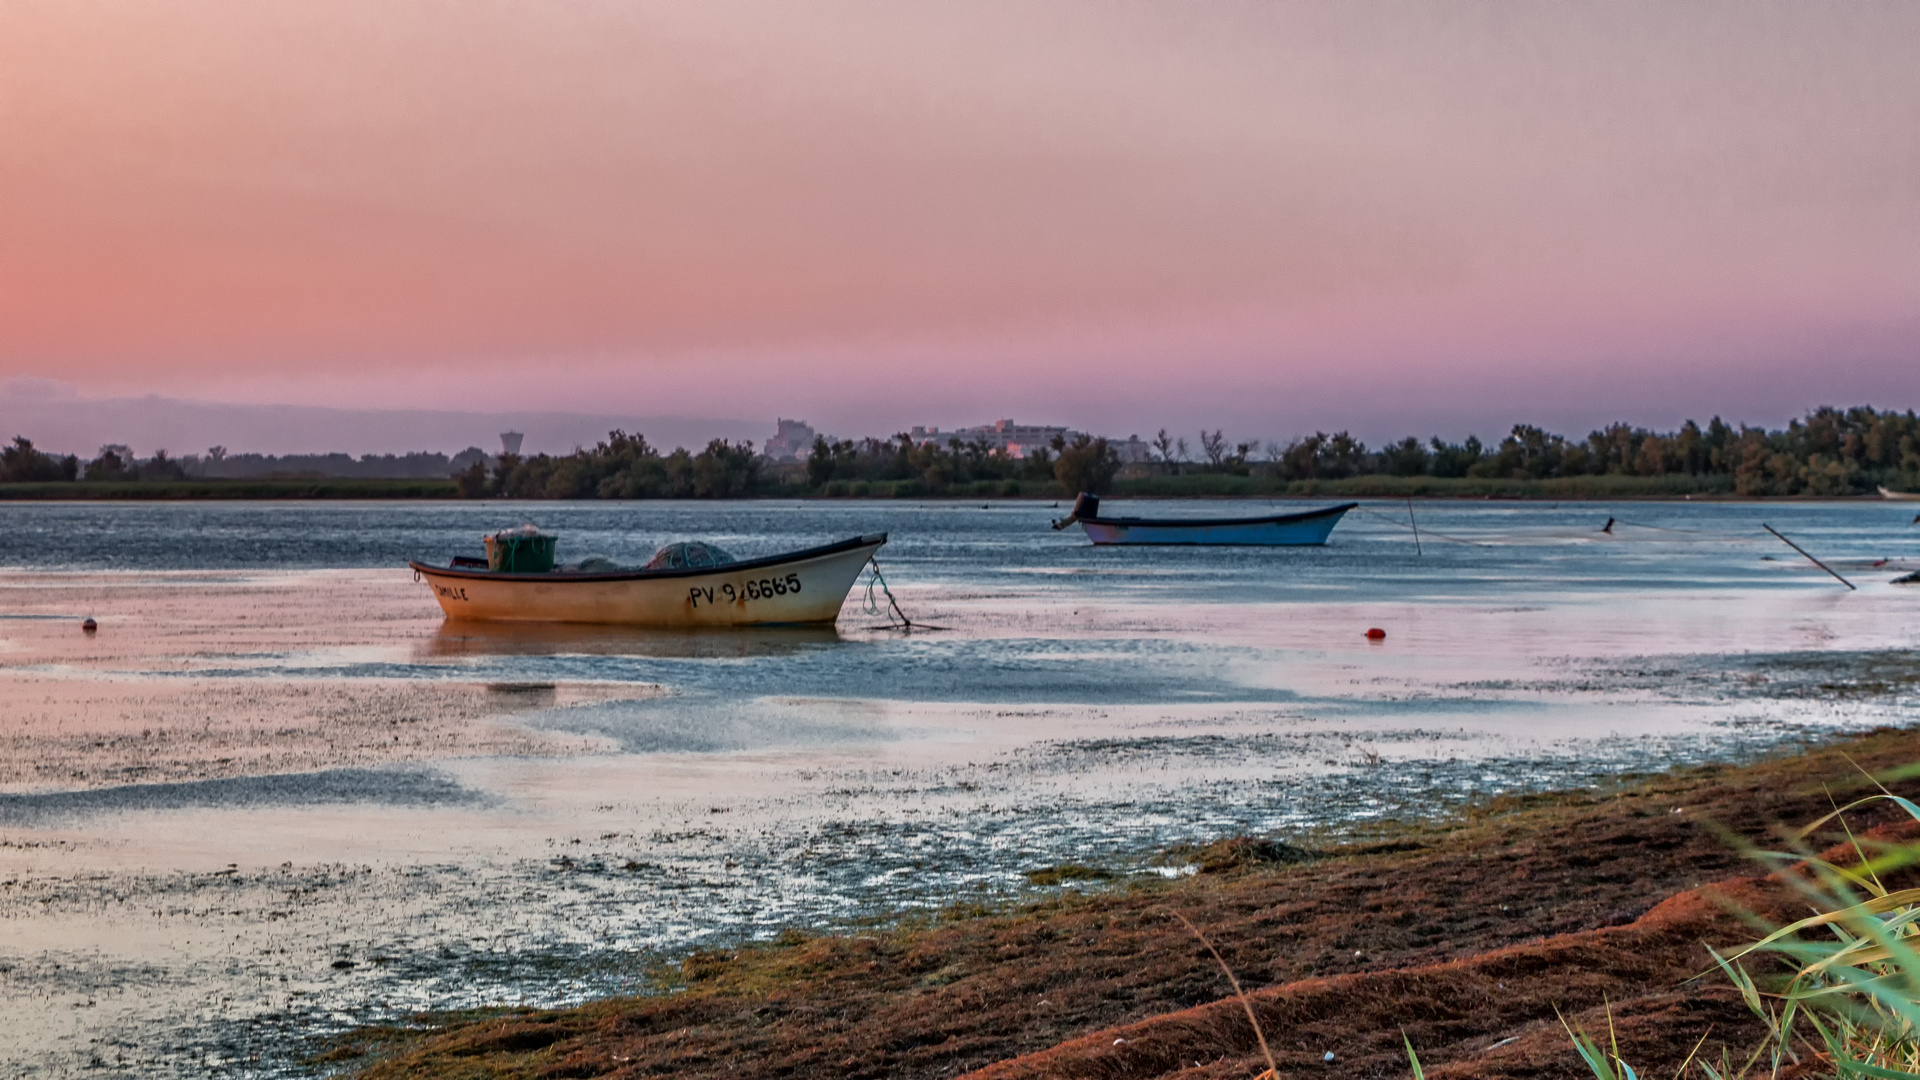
(1085, 506)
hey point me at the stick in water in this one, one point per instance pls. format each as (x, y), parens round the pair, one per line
(1810, 558)
(1416, 526)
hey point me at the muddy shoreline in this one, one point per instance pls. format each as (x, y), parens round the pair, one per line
(274, 798)
(1044, 989)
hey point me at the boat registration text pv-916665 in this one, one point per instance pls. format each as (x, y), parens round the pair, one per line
(761, 589)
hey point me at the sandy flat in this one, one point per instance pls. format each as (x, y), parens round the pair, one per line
(185, 680)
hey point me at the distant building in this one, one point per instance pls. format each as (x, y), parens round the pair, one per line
(792, 440)
(510, 442)
(1018, 440)
(1132, 450)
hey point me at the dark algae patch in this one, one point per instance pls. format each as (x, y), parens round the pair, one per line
(1466, 933)
(1236, 853)
(1066, 872)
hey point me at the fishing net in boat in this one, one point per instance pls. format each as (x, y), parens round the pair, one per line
(688, 555)
(591, 564)
(524, 550)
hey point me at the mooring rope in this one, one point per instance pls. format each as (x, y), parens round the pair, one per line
(1419, 532)
(896, 618)
(1607, 530)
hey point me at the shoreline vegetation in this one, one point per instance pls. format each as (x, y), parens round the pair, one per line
(311, 487)
(1830, 453)
(1481, 939)
(1202, 486)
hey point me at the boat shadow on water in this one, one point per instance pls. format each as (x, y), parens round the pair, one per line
(458, 638)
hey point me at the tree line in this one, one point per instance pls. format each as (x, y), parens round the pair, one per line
(622, 466)
(1829, 451)
(23, 463)
(625, 466)
(1085, 463)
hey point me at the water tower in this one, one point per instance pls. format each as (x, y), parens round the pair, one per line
(510, 443)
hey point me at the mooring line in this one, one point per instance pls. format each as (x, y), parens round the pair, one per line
(1419, 532)
(896, 618)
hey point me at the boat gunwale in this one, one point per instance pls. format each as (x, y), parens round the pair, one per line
(1206, 523)
(557, 576)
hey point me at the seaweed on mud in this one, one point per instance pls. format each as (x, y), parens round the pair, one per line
(1236, 853)
(1888, 675)
(1067, 872)
(371, 1041)
(389, 786)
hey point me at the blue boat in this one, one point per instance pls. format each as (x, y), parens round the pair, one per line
(1273, 530)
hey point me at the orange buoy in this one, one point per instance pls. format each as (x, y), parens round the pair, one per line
(1376, 634)
(87, 625)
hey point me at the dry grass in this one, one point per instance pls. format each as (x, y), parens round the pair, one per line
(1469, 933)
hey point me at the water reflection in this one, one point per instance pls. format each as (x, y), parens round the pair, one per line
(458, 639)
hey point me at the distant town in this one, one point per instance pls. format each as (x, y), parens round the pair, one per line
(793, 440)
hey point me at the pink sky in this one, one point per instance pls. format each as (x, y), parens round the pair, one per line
(1263, 216)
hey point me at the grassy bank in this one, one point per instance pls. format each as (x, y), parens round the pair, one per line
(278, 488)
(1469, 933)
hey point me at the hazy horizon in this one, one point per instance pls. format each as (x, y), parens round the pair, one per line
(58, 419)
(72, 424)
(1265, 217)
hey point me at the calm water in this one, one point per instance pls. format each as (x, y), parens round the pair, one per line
(979, 543)
(639, 793)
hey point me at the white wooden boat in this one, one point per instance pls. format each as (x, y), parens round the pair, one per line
(1270, 530)
(798, 587)
(1900, 496)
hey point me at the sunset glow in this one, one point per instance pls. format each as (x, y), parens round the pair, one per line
(1271, 217)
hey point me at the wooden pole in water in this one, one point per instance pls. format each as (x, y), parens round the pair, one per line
(1810, 558)
(1416, 526)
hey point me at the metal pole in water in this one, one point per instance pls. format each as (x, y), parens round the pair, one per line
(1810, 558)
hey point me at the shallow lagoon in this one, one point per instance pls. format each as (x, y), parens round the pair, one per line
(275, 795)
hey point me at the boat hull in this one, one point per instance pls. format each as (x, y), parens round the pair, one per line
(1282, 530)
(1900, 496)
(801, 587)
